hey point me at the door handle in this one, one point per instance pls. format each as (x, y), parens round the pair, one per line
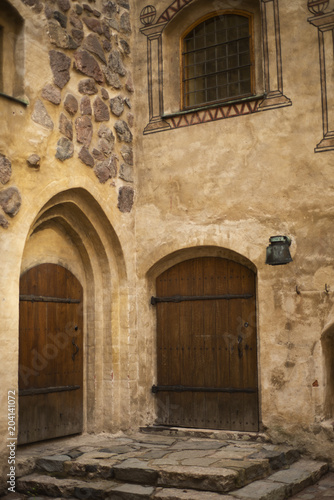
(76, 349)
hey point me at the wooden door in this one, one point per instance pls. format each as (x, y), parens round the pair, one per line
(50, 355)
(206, 345)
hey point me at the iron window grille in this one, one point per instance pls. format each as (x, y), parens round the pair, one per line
(217, 62)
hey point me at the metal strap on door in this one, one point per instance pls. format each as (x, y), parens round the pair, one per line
(183, 388)
(182, 298)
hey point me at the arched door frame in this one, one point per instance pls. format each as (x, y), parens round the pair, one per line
(169, 260)
(77, 215)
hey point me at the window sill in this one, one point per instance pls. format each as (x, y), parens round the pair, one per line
(256, 97)
(18, 100)
(217, 111)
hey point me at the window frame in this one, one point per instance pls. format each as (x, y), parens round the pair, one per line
(12, 56)
(243, 13)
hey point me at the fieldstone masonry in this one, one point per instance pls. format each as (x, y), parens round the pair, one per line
(10, 198)
(5, 169)
(41, 116)
(95, 44)
(10, 201)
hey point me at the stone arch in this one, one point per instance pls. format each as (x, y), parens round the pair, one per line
(73, 231)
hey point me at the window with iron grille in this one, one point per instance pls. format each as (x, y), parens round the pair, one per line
(217, 60)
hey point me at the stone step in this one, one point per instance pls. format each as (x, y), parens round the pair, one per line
(203, 465)
(50, 486)
(279, 486)
(162, 430)
(285, 483)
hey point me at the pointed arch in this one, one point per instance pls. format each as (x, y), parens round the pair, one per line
(72, 230)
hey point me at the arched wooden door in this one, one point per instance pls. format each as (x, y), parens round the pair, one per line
(207, 345)
(50, 356)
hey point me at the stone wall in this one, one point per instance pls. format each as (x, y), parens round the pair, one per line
(67, 187)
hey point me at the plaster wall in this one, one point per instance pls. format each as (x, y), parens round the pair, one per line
(231, 184)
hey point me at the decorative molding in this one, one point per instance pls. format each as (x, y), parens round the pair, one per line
(210, 115)
(274, 96)
(172, 10)
(325, 23)
(272, 44)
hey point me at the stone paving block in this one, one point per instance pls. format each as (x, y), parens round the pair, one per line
(130, 492)
(195, 444)
(235, 452)
(95, 455)
(154, 439)
(52, 486)
(135, 470)
(203, 462)
(53, 463)
(276, 458)
(150, 446)
(248, 470)
(119, 449)
(154, 454)
(198, 478)
(175, 494)
(96, 468)
(261, 490)
(300, 475)
(178, 456)
(327, 481)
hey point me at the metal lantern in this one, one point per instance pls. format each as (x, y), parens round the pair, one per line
(278, 252)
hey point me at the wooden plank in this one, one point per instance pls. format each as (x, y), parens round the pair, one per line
(223, 346)
(198, 365)
(251, 419)
(46, 349)
(210, 342)
(174, 365)
(236, 365)
(186, 334)
(162, 353)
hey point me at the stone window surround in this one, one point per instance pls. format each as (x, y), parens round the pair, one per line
(325, 25)
(12, 44)
(272, 97)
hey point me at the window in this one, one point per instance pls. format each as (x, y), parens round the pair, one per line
(217, 60)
